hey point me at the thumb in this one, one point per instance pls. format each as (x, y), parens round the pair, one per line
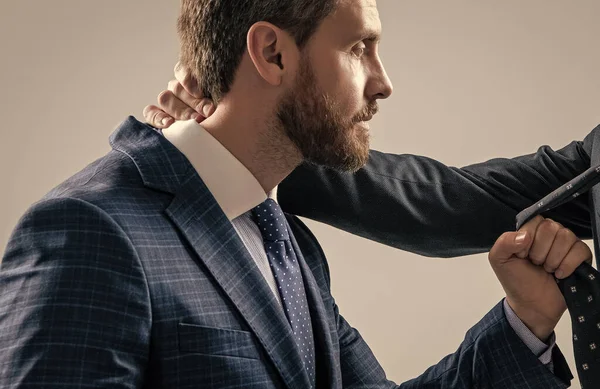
(509, 244)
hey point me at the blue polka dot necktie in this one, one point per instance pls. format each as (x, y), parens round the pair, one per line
(284, 264)
(581, 289)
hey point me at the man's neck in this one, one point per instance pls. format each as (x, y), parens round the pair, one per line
(260, 146)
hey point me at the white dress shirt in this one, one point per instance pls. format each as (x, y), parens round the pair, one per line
(237, 192)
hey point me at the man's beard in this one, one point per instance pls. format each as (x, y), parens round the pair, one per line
(316, 126)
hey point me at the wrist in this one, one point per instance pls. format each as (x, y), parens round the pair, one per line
(540, 325)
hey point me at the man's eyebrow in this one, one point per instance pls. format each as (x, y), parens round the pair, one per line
(371, 36)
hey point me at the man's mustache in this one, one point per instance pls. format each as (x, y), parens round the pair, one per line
(367, 113)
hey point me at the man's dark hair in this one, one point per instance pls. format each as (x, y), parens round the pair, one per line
(213, 33)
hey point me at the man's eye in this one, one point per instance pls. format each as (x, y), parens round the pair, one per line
(359, 50)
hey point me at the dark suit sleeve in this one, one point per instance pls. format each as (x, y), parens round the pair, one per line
(421, 205)
(74, 303)
(491, 356)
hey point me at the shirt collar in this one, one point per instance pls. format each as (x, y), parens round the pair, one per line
(232, 185)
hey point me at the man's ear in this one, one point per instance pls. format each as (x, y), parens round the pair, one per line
(271, 50)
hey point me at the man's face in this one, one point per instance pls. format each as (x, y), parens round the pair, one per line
(339, 81)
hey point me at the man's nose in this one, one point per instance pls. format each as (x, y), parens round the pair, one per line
(381, 87)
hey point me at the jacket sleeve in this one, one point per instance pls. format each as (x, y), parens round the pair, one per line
(491, 356)
(74, 303)
(423, 206)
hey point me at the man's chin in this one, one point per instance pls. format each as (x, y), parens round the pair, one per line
(344, 155)
(357, 159)
(349, 163)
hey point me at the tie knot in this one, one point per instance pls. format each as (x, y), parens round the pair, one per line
(270, 220)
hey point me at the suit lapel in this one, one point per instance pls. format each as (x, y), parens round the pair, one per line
(208, 231)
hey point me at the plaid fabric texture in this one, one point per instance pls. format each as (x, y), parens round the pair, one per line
(129, 275)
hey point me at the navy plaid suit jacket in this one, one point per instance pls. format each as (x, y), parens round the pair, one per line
(129, 275)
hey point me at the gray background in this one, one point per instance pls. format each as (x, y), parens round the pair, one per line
(473, 80)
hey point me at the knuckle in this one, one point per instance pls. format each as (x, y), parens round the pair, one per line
(579, 253)
(185, 77)
(555, 226)
(505, 238)
(566, 235)
(164, 98)
(154, 118)
(536, 257)
(188, 114)
(147, 112)
(188, 82)
(583, 247)
(151, 114)
(537, 220)
(499, 246)
(549, 268)
(178, 89)
(172, 85)
(541, 231)
(546, 232)
(548, 225)
(182, 74)
(199, 104)
(566, 269)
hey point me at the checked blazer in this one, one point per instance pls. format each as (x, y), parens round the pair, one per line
(129, 275)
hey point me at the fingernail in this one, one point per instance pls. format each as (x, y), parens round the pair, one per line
(206, 110)
(165, 121)
(559, 273)
(520, 238)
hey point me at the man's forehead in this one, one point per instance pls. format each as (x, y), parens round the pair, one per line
(351, 15)
(363, 8)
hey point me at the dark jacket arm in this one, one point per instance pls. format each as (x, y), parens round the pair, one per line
(423, 206)
(74, 303)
